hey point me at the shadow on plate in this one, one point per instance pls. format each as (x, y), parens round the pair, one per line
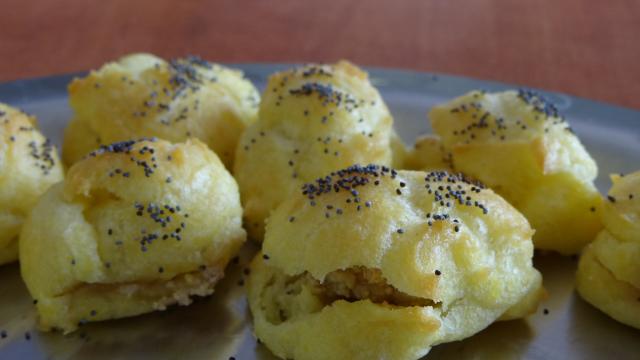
(501, 340)
(597, 333)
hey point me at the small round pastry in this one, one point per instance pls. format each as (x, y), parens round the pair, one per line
(370, 263)
(428, 154)
(135, 227)
(602, 289)
(141, 95)
(609, 272)
(621, 211)
(29, 165)
(312, 120)
(518, 144)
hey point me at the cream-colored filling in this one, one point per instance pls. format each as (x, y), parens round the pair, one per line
(288, 297)
(360, 283)
(102, 301)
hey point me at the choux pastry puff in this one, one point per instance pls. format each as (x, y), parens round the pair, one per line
(519, 145)
(370, 263)
(609, 269)
(141, 95)
(136, 226)
(312, 120)
(29, 165)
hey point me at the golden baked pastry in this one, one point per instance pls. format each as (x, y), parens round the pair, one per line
(135, 227)
(621, 211)
(29, 164)
(428, 154)
(141, 95)
(370, 263)
(600, 287)
(518, 144)
(312, 120)
(609, 271)
(399, 152)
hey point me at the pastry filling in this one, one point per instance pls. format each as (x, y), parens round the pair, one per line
(288, 297)
(97, 301)
(360, 283)
(177, 289)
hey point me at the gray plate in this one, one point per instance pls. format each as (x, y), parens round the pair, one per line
(219, 327)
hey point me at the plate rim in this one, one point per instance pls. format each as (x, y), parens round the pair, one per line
(21, 90)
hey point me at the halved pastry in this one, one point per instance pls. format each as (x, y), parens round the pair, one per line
(141, 95)
(312, 120)
(29, 165)
(370, 263)
(609, 271)
(517, 143)
(135, 227)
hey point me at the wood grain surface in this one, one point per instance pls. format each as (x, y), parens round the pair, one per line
(581, 47)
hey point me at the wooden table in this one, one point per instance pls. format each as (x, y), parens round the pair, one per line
(584, 48)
